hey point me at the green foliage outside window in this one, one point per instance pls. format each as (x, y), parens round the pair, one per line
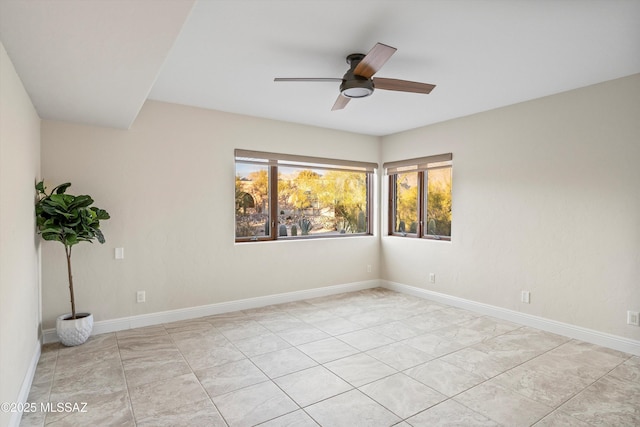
(310, 202)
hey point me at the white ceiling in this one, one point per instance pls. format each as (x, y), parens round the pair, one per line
(96, 61)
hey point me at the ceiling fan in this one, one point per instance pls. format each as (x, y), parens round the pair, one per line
(358, 81)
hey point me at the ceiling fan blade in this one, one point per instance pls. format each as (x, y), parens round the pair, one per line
(402, 85)
(310, 79)
(374, 60)
(341, 102)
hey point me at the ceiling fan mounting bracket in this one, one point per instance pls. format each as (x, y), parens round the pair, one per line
(354, 58)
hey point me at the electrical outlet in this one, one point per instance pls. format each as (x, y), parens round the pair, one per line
(141, 296)
(369, 268)
(525, 297)
(633, 318)
(432, 277)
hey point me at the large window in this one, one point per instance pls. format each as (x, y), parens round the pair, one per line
(420, 197)
(280, 196)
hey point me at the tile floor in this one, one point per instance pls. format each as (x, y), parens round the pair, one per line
(368, 358)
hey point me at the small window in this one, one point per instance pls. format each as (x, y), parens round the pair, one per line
(282, 196)
(420, 197)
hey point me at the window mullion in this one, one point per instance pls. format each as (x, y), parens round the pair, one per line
(421, 202)
(273, 201)
(392, 205)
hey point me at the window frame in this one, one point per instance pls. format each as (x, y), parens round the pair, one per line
(275, 160)
(421, 166)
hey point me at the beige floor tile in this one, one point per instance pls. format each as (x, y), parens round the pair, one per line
(351, 409)
(520, 345)
(584, 359)
(608, 402)
(628, 371)
(282, 322)
(100, 410)
(337, 326)
(302, 334)
(475, 331)
(549, 387)
(283, 362)
(478, 362)
(450, 414)
(560, 419)
(133, 347)
(162, 397)
(254, 404)
(365, 339)
(427, 322)
(312, 385)
(145, 332)
(293, 419)
(502, 405)
(154, 367)
(359, 369)
(433, 345)
(88, 381)
(95, 343)
(326, 350)
(261, 344)
(400, 356)
(189, 326)
(247, 330)
(444, 377)
(373, 317)
(229, 377)
(200, 354)
(402, 395)
(190, 414)
(397, 330)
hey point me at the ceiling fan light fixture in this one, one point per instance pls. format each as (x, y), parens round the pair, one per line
(357, 88)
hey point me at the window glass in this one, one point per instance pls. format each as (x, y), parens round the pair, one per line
(406, 202)
(438, 221)
(321, 202)
(252, 201)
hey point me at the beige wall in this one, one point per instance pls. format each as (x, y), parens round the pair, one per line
(546, 198)
(168, 183)
(19, 254)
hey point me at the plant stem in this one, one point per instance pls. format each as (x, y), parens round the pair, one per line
(67, 250)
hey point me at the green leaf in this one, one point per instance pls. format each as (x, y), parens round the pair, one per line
(60, 189)
(99, 235)
(81, 202)
(101, 213)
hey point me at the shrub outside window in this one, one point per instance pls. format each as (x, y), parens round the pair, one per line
(281, 196)
(420, 197)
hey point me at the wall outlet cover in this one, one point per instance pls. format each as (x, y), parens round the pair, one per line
(633, 318)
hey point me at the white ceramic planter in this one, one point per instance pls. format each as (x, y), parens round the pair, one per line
(74, 332)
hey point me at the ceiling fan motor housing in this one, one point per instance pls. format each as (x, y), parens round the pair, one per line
(354, 86)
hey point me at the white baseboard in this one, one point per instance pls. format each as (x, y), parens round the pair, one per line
(595, 337)
(589, 335)
(150, 319)
(26, 384)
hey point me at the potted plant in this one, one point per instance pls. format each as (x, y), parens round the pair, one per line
(69, 219)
